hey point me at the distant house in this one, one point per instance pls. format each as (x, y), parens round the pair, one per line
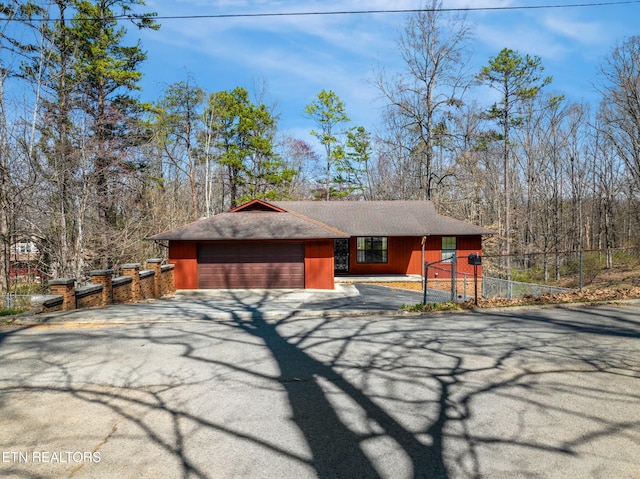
(24, 258)
(305, 244)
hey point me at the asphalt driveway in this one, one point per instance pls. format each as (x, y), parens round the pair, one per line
(519, 393)
(228, 304)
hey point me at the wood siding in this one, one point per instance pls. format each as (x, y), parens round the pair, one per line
(318, 264)
(404, 255)
(465, 245)
(184, 255)
(468, 245)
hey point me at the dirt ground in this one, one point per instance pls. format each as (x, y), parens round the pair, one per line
(595, 295)
(411, 285)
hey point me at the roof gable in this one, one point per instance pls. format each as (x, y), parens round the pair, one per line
(261, 223)
(256, 205)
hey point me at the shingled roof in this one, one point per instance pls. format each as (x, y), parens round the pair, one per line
(382, 218)
(251, 225)
(259, 220)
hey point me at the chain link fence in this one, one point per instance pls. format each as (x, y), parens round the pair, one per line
(444, 282)
(15, 302)
(533, 274)
(502, 288)
(555, 272)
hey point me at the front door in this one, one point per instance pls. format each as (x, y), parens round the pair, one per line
(341, 256)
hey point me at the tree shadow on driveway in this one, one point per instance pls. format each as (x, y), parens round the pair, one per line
(519, 394)
(336, 449)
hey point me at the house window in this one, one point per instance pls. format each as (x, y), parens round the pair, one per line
(372, 249)
(448, 248)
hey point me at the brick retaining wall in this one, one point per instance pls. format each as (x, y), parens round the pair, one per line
(134, 285)
(122, 289)
(147, 284)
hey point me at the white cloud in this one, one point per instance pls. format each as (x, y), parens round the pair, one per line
(581, 32)
(526, 39)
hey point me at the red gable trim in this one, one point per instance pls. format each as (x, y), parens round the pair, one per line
(257, 205)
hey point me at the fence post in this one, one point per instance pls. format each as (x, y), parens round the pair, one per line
(464, 286)
(426, 276)
(475, 284)
(454, 278)
(581, 271)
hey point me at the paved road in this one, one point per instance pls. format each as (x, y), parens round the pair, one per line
(551, 393)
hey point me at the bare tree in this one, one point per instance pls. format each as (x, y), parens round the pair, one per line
(5, 210)
(399, 176)
(621, 107)
(299, 156)
(178, 125)
(12, 49)
(432, 84)
(475, 183)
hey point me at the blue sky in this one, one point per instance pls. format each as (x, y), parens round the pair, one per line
(298, 56)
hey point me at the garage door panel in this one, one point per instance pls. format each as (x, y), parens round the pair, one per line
(231, 276)
(252, 254)
(251, 265)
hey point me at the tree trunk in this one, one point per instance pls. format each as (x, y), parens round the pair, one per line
(5, 210)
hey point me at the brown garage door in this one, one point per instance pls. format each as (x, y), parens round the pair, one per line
(250, 265)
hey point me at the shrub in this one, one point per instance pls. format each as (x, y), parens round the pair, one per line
(12, 311)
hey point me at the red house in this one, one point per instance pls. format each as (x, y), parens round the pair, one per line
(304, 244)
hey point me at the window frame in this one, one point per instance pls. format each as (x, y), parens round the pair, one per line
(447, 252)
(367, 253)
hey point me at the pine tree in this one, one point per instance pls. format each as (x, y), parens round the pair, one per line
(106, 73)
(328, 113)
(517, 79)
(244, 135)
